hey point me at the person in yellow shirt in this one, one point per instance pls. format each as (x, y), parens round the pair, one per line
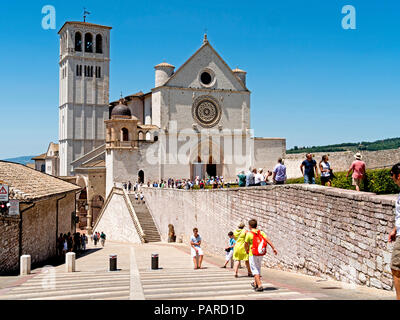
(239, 252)
(255, 261)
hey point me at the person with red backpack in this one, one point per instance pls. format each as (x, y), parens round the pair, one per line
(256, 243)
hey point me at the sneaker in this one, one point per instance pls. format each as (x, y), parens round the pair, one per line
(223, 267)
(253, 285)
(259, 289)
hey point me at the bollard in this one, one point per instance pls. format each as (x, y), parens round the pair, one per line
(154, 261)
(70, 262)
(113, 262)
(25, 264)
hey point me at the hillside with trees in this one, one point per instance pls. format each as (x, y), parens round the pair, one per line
(392, 143)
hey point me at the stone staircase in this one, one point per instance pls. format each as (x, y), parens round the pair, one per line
(146, 220)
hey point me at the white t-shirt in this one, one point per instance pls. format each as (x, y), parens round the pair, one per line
(258, 178)
(325, 166)
(397, 219)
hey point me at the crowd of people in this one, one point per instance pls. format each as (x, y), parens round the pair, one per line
(249, 245)
(71, 243)
(77, 242)
(187, 184)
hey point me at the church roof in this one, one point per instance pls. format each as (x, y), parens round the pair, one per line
(206, 43)
(164, 64)
(84, 24)
(238, 70)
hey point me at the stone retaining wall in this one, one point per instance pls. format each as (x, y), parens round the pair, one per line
(316, 230)
(341, 161)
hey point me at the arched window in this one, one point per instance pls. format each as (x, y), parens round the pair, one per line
(99, 44)
(148, 136)
(125, 134)
(78, 41)
(88, 42)
(141, 136)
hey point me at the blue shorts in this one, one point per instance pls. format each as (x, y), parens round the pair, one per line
(308, 180)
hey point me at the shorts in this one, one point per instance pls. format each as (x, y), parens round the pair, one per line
(255, 264)
(395, 263)
(357, 182)
(193, 252)
(229, 255)
(325, 179)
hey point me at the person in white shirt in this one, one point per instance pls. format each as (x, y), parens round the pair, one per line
(259, 178)
(394, 236)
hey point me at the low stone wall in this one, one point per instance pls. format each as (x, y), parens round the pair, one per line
(316, 230)
(341, 161)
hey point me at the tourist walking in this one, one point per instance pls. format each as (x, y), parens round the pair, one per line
(84, 241)
(309, 165)
(394, 235)
(102, 238)
(239, 251)
(65, 245)
(60, 244)
(279, 173)
(229, 249)
(325, 167)
(95, 239)
(358, 168)
(253, 245)
(195, 242)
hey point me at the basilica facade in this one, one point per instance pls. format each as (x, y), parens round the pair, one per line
(195, 121)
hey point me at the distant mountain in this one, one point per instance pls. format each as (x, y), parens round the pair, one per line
(22, 160)
(392, 143)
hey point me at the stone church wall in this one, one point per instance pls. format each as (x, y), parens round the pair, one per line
(316, 230)
(341, 161)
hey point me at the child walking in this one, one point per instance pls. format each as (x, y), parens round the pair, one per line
(229, 249)
(256, 253)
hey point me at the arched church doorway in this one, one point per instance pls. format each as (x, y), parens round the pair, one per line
(211, 168)
(141, 176)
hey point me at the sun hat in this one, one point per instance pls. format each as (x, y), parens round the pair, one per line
(358, 156)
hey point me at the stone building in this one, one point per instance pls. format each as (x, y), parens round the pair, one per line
(46, 209)
(195, 122)
(49, 162)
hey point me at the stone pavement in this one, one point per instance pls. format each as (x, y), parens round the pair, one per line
(176, 279)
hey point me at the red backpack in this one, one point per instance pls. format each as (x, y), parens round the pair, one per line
(259, 247)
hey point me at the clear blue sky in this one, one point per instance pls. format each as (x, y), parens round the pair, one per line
(312, 82)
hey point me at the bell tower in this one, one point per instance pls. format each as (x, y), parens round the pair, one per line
(83, 90)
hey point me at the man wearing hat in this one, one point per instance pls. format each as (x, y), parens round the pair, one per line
(394, 236)
(358, 168)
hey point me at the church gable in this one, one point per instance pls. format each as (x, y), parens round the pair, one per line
(206, 70)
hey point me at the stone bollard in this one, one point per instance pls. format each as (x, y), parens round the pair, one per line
(70, 262)
(25, 264)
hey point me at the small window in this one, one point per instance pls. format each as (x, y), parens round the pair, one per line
(77, 70)
(99, 44)
(125, 134)
(205, 78)
(78, 41)
(91, 71)
(88, 42)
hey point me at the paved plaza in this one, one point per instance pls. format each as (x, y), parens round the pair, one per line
(175, 279)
